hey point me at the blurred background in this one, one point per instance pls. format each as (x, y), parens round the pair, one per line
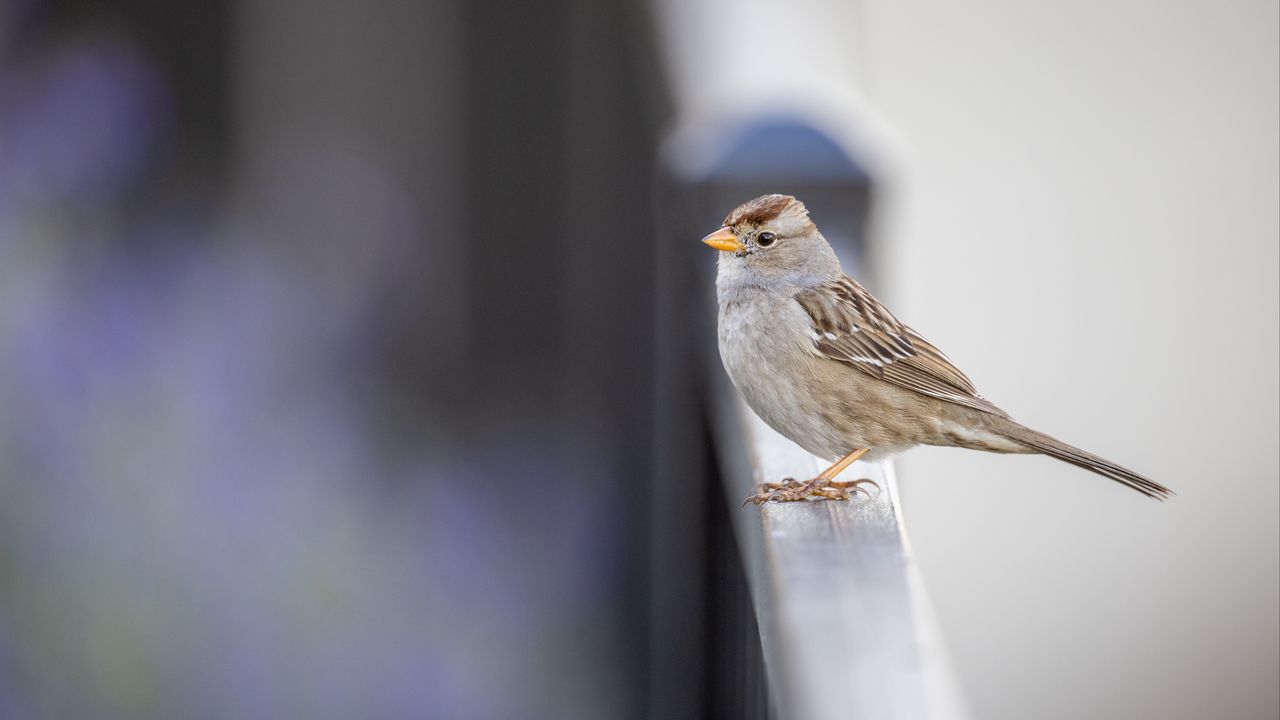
(344, 346)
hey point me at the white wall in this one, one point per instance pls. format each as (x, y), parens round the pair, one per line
(1088, 224)
(1084, 216)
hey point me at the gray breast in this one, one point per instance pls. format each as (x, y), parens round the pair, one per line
(829, 409)
(766, 347)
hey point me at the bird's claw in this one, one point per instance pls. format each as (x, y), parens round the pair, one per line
(855, 486)
(792, 490)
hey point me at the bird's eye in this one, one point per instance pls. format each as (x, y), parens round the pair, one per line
(765, 239)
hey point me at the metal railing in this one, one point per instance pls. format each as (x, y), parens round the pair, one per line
(844, 625)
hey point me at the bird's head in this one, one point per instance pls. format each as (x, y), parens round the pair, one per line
(772, 238)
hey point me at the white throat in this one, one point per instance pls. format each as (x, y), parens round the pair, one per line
(735, 277)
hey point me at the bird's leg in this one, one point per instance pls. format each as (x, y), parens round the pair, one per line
(786, 483)
(824, 485)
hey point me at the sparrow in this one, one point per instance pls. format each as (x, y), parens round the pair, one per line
(824, 363)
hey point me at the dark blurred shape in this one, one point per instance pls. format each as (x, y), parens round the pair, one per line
(189, 43)
(783, 150)
(326, 342)
(85, 125)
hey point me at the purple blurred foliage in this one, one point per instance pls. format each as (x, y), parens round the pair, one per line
(189, 475)
(11, 707)
(196, 516)
(81, 123)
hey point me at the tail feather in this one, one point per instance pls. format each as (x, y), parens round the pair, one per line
(1042, 443)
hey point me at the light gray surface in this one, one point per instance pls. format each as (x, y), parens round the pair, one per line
(1108, 195)
(1097, 182)
(844, 623)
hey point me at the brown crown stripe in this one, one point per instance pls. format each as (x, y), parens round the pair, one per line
(761, 210)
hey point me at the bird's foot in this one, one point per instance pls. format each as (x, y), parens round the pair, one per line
(792, 490)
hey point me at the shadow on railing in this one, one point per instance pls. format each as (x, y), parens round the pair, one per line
(843, 627)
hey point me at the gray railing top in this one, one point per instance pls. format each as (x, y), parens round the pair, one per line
(845, 627)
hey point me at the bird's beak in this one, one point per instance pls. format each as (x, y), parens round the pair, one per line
(724, 239)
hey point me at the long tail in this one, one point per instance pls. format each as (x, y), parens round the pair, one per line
(1042, 443)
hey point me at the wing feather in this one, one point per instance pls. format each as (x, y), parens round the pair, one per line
(851, 326)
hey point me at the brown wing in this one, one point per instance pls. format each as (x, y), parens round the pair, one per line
(851, 326)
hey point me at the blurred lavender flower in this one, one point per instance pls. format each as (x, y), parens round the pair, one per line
(197, 517)
(80, 124)
(192, 499)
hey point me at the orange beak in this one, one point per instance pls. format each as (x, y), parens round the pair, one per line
(724, 240)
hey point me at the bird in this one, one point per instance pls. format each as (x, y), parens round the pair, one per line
(825, 363)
